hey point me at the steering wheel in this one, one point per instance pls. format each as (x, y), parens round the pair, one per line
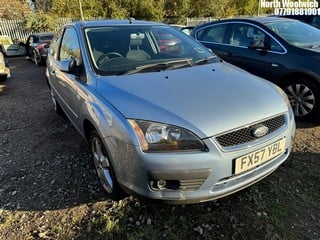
(106, 56)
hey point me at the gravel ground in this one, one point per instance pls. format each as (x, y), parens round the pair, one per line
(46, 180)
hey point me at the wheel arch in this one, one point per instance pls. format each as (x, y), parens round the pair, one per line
(87, 128)
(296, 75)
(305, 102)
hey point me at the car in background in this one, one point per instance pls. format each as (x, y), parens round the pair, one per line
(284, 51)
(313, 20)
(4, 69)
(185, 29)
(10, 48)
(167, 42)
(37, 45)
(179, 126)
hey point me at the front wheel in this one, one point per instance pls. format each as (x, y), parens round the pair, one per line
(304, 97)
(35, 58)
(103, 167)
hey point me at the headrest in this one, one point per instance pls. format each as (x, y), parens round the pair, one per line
(136, 39)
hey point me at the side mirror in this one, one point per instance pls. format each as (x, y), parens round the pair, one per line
(68, 65)
(257, 44)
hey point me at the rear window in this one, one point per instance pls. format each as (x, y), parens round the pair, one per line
(46, 38)
(213, 33)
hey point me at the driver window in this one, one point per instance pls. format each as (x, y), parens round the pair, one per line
(70, 46)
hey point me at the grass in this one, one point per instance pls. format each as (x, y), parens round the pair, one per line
(284, 206)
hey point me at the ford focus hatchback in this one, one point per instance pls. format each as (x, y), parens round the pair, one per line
(171, 123)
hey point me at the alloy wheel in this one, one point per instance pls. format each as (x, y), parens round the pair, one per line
(301, 98)
(102, 164)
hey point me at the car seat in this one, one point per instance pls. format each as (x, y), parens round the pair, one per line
(135, 52)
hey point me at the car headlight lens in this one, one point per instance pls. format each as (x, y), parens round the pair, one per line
(155, 137)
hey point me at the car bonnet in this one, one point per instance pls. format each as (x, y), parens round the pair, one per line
(208, 99)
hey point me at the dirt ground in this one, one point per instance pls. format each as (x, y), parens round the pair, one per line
(48, 191)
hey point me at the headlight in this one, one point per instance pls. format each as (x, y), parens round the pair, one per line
(155, 137)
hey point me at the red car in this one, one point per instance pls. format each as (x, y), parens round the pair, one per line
(37, 46)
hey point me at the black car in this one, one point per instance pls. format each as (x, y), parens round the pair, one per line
(284, 51)
(37, 46)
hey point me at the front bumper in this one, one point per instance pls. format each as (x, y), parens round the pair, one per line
(192, 177)
(5, 73)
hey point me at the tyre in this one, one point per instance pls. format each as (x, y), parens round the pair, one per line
(58, 110)
(304, 96)
(35, 58)
(103, 167)
(3, 78)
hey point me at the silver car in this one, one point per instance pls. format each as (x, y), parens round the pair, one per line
(4, 69)
(175, 124)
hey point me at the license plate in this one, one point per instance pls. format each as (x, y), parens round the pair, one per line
(260, 156)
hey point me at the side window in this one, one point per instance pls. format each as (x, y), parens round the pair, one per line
(243, 34)
(214, 33)
(70, 46)
(316, 21)
(275, 47)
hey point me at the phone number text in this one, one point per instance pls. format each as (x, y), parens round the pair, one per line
(297, 11)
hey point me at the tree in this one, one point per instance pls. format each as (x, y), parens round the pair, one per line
(40, 22)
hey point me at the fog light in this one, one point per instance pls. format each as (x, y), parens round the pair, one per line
(161, 184)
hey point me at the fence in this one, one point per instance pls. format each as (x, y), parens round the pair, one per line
(16, 28)
(197, 21)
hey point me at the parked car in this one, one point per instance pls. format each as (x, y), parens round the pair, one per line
(4, 69)
(10, 48)
(180, 127)
(37, 46)
(167, 42)
(284, 51)
(313, 20)
(185, 29)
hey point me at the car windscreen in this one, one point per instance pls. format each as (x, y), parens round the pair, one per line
(116, 50)
(297, 33)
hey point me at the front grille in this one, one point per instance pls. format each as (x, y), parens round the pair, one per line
(245, 135)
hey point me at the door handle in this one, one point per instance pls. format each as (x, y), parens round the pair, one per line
(227, 54)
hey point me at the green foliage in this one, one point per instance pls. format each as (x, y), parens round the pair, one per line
(156, 10)
(40, 22)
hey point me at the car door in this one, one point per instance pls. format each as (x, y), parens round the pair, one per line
(214, 38)
(238, 52)
(11, 49)
(17, 49)
(234, 48)
(66, 84)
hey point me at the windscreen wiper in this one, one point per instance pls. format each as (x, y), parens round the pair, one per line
(205, 60)
(160, 66)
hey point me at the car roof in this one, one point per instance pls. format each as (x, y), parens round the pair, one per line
(42, 34)
(262, 20)
(103, 23)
